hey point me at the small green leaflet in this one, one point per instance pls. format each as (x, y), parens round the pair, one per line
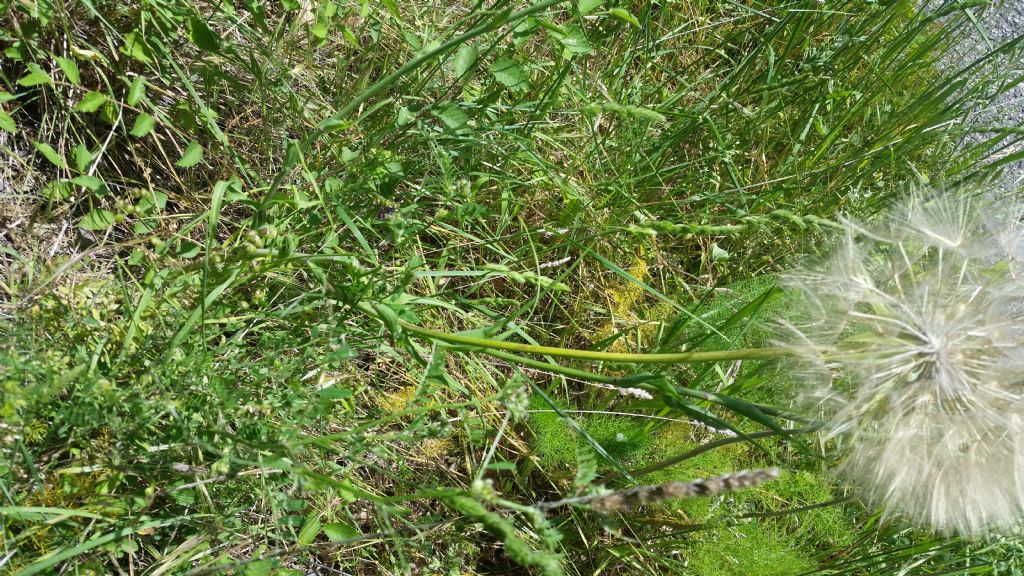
(70, 70)
(465, 60)
(7, 123)
(91, 102)
(35, 77)
(193, 154)
(82, 156)
(135, 46)
(587, 6)
(97, 219)
(509, 73)
(334, 393)
(309, 531)
(57, 190)
(50, 154)
(393, 8)
(137, 91)
(453, 117)
(338, 531)
(623, 14)
(143, 125)
(90, 183)
(574, 40)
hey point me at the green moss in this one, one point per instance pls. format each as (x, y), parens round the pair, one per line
(556, 441)
(753, 549)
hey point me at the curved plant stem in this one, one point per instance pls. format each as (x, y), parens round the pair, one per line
(486, 344)
(660, 358)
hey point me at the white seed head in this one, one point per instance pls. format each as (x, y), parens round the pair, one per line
(912, 339)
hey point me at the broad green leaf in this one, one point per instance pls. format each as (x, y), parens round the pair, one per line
(334, 393)
(135, 46)
(465, 60)
(35, 76)
(392, 7)
(319, 30)
(91, 102)
(137, 91)
(623, 14)
(453, 117)
(405, 116)
(7, 123)
(83, 156)
(70, 70)
(588, 6)
(91, 183)
(57, 190)
(187, 249)
(97, 219)
(338, 531)
(202, 36)
(50, 154)
(309, 531)
(509, 73)
(574, 40)
(143, 125)
(259, 568)
(6, 97)
(193, 154)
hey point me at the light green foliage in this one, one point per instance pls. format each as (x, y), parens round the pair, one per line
(199, 197)
(749, 549)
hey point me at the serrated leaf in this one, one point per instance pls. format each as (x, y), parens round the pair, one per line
(587, 6)
(7, 123)
(50, 154)
(193, 154)
(466, 59)
(509, 73)
(309, 531)
(90, 183)
(97, 219)
(91, 102)
(338, 531)
(623, 14)
(202, 36)
(453, 117)
(82, 155)
(136, 91)
(135, 46)
(143, 125)
(35, 76)
(70, 70)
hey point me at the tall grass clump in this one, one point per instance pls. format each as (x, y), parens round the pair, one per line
(302, 286)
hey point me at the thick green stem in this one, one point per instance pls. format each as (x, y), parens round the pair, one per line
(662, 358)
(485, 344)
